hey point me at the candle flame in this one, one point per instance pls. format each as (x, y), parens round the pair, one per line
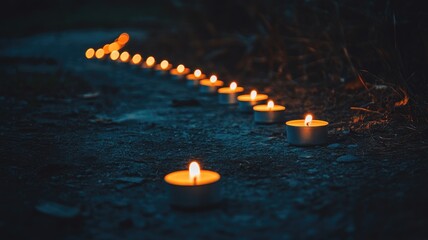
(114, 55)
(136, 59)
(308, 120)
(99, 53)
(197, 73)
(213, 78)
(194, 171)
(123, 38)
(164, 64)
(253, 95)
(180, 68)
(124, 56)
(90, 53)
(233, 86)
(270, 105)
(150, 61)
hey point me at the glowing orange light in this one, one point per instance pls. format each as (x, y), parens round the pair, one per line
(233, 86)
(114, 55)
(213, 79)
(124, 56)
(197, 73)
(164, 64)
(308, 119)
(270, 104)
(114, 46)
(180, 68)
(194, 171)
(106, 48)
(123, 38)
(90, 53)
(150, 61)
(136, 59)
(253, 95)
(99, 53)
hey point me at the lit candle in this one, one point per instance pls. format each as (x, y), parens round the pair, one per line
(246, 102)
(149, 63)
(193, 78)
(124, 57)
(136, 59)
(163, 67)
(269, 113)
(90, 53)
(227, 95)
(210, 85)
(306, 132)
(180, 72)
(114, 55)
(193, 188)
(99, 54)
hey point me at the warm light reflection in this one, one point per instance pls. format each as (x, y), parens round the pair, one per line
(150, 61)
(90, 53)
(114, 55)
(308, 120)
(197, 73)
(194, 171)
(180, 68)
(253, 95)
(124, 56)
(99, 53)
(213, 79)
(113, 47)
(136, 59)
(233, 86)
(123, 38)
(270, 104)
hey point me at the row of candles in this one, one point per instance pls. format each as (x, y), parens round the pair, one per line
(196, 188)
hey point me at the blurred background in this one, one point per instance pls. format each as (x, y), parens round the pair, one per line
(329, 45)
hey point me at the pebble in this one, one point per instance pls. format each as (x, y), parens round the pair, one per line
(352, 145)
(135, 180)
(334, 145)
(348, 158)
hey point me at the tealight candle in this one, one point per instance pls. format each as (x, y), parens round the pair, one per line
(193, 188)
(306, 132)
(124, 57)
(193, 78)
(180, 72)
(136, 59)
(99, 54)
(246, 102)
(227, 95)
(114, 55)
(210, 85)
(149, 63)
(269, 113)
(90, 53)
(163, 67)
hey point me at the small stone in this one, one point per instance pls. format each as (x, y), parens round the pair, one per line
(306, 155)
(58, 210)
(348, 158)
(352, 145)
(312, 171)
(334, 145)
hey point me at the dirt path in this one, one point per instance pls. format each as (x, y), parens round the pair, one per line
(81, 166)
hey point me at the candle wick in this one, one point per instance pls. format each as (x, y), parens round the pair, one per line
(307, 124)
(194, 180)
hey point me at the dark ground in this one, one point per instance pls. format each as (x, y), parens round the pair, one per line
(85, 145)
